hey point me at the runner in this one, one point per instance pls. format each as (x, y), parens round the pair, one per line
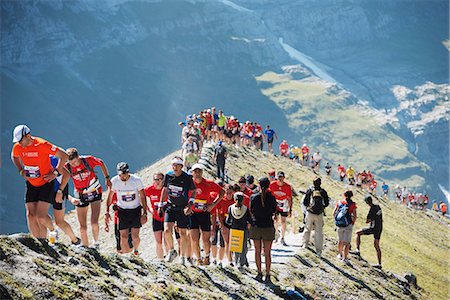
(350, 175)
(245, 190)
(59, 208)
(221, 125)
(216, 233)
(375, 218)
(226, 202)
(398, 193)
(284, 149)
(189, 152)
(271, 175)
(435, 207)
(200, 219)
(305, 155)
(177, 185)
(263, 206)
(283, 194)
(258, 137)
(317, 159)
(116, 226)
(31, 156)
(443, 208)
(250, 180)
(315, 201)
(341, 171)
(239, 218)
(328, 168)
(220, 157)
(131, 205)
(87, 191)
(344, 214)
(153, 193)
(270, 134)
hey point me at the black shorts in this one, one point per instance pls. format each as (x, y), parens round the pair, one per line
(157, 225)
(218, 238)
(177, 216)
(281, 213)
(129, 218)
(98, 197)
(220, 128)
(270, 140)
(59, 206)
(209, 127)
(257, 139)
(40, 193)
(228, 134)
(375, 231)
(200, 221)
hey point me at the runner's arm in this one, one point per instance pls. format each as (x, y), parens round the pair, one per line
(65, 178)
(16, 161)
(106, 174)
(143, 201)
(63, 157)
(109, 200)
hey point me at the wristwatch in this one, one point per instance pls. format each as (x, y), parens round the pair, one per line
(59, 191)
(56, 173)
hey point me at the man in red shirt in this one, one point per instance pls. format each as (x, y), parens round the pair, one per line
(87, 191)
(153, 193)
(200, 219)
(31, 156)
(283, 194)
(245, 190)
(305, 154)
(341, 171)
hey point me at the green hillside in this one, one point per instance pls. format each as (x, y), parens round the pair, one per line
(340, 130)
(412, 242)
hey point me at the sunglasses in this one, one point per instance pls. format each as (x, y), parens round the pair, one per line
(157, 179)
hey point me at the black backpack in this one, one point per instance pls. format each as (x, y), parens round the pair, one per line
(316, 202)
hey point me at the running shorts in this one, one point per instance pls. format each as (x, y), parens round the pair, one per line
(177, 216)
(39, 193)
(59, 206)
(200, 221)
(129, 218)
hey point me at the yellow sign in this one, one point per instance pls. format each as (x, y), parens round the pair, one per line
(236, 240)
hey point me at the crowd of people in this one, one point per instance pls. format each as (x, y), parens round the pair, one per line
(418, 201)
(213, 222)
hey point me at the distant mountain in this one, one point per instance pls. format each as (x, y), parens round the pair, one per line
(114, 77)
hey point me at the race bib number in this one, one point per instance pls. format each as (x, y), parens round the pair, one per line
(32, 172)
(283, 205)
(175, 191)
(89, 196)
(199, 204)
(158, 205)
(129, 196)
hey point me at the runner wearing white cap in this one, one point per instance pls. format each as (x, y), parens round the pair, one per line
(31, 156)
(176, 187)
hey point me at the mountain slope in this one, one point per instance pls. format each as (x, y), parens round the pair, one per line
(411, 242)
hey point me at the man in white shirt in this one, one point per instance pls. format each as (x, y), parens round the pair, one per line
(131, 206)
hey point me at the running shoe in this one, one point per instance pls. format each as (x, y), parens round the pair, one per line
(172, 255)
(259, 277)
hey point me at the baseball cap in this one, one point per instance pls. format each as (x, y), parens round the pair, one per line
(197, 166)
(19, 132)
(177, 161)
(122, 168)
(280, 173)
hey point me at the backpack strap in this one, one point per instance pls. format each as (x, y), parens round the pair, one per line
(86, 165)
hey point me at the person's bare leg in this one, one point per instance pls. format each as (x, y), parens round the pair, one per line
(61, 223)
(124, 241)
(257, 244)
(268, 256)
(184, 241)
(206, 242)
(32, 220)
(95, 213)
(82, 219)
(195, 243)
(135, 237)
(168, 234)
(43, 217)
(283, 226)
(376, 244)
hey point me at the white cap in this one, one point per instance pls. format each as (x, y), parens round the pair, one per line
(19, 132)
(197, 166)
(177, 161)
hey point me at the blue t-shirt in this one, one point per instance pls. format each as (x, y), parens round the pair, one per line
(385, 187)
(216, 117)
(269, 132)
(54, 161)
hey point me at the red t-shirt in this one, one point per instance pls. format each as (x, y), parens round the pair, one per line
(305, 150)
(223, 207)
(341, 170)
(35, 159)
(282, 193)
(203, 194)
(284, 147)
(154, 195)
(212, 197)
(351, 208)
(82, 177)
(209, 119)
(247, 193)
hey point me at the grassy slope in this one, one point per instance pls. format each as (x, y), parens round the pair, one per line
(339, 130)
(411, 241)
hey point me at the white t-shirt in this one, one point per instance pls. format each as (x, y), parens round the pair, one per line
(127, 191)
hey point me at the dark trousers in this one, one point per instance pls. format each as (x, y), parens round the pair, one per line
(221, 169)
(117, 234)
